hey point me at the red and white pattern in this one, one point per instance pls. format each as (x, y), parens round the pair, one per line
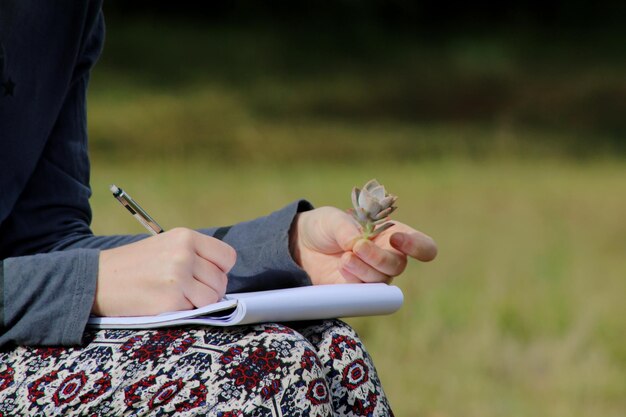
(301, 369)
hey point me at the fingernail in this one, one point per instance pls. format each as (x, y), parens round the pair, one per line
(397, 240)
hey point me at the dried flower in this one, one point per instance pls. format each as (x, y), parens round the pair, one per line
(372, 207)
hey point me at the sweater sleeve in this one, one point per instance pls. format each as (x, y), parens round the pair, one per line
(47, 297)
(263, 258)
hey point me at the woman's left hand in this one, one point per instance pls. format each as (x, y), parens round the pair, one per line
(326, 243)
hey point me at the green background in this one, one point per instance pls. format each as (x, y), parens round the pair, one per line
(502, 133)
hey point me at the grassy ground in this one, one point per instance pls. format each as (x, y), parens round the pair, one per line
(508, 150)
(521, 314)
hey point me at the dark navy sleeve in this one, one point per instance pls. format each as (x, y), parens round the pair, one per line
(47, 50)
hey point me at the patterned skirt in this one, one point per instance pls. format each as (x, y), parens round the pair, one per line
(268, 370)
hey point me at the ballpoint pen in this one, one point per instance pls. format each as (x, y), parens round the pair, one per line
(136, 210)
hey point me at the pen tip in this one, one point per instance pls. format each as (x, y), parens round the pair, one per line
(114, 189)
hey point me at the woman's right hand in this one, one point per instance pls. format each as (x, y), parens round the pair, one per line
(177, 270)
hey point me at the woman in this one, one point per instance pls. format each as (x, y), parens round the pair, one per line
(54, 272)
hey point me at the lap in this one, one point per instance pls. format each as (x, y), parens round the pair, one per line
(260, 370)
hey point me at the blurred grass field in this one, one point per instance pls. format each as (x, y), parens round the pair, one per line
(522, 314)
(509, 155)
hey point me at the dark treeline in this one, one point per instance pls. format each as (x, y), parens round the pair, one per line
(554, 65)
(576, 16)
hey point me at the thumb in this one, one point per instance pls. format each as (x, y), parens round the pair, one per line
(345, 230)
(327, 230)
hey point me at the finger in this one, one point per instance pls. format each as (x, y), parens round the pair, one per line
(209, 274)
(165, 305)
(213, 250)
(361, 270)
(389, 262)
(349, 277)
(415, 244)
(200, 294)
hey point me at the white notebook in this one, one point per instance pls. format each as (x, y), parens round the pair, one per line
(291, 304)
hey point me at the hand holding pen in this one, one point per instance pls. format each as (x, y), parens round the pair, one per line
(175, 270)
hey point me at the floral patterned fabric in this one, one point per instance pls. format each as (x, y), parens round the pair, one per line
(268, 370)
